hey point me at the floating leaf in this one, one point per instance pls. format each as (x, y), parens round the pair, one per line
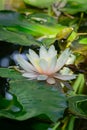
(16, 22)
(83, 41)
(42, 18)
(10, 73)
(39, 3)
(39, 98)
(35, 97)
(10, 107)
(75, 6)
(10, 18)
(78, 105)
(17, 38)
(48, 41)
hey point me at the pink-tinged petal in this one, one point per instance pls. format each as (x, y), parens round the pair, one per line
(52, 52)
(24, 64)
(43, 53)
(42, 77)
(35, 63)
(51, 81)
(64, 77)
(62, 59)
(30, 75)
(43, 65)
(52, 65)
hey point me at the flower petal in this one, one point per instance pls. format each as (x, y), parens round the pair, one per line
(33, 54)
(52, 65)
(35, 62)
(62, 59)
(33, 57)
(30, 75)
(43, 65)
(24, 64)
(64, 77)
(51, 81)
(42, 77)
(43, 52)
(52, 52)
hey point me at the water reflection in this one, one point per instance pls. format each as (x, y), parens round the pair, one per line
(4, 62)
(8, 53)
(15, 109)
(8, 96)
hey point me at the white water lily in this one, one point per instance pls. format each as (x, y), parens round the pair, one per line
(46, 65)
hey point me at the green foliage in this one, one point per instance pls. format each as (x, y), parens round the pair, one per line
(17, 22)
(35, 97)
(10, 107)
(78, 105)
(37, 101)
(17, 38)
(75, 6)
(83, 41)
(40, 3)
(10, 73)
(2, 2)
(17, 29)
(42, 18)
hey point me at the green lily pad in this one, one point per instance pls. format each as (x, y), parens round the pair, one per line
(16, 22)
(10, 73)
(35, 97)
(75, 6)
(78, 105)
(39, 98)
(17, 38)
(10, 107)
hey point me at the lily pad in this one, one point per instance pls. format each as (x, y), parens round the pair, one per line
(10, 73)
(17, 38)
(75, 6)
(39, 98)
(78, 105)
(36, 98)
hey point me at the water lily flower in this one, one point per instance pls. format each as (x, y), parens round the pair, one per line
(46, 65)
